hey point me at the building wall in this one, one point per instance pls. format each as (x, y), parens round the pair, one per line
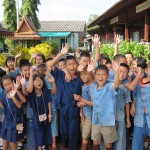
(137, 32)
(72, 40)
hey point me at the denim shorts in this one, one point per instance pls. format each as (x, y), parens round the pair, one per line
(54, 124)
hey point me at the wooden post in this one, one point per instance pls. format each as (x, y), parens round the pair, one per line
(107, 36)
(115, 33)
(126, 28)
(146, 27)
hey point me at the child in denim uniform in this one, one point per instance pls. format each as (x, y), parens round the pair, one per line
(122, 99)
(86, 111)
(104, 108)
(69, 112)
(141, 96)
(10, 64)
(24, 66)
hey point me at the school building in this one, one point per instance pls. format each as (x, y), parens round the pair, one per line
(129, 18)
(60, 32)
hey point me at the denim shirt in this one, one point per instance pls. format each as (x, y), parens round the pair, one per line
(53, 97)
(29, 111)
(17, 71)
(122, 97)
(141, 95)
(1, 96)
(104, 109)
(87, 93)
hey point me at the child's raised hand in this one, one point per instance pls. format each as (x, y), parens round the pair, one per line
(22, 80)
(91, 65)
(96, 39)
(118, 39)
(12, 92)
(115, 66)
(81, 67)
(18, 55)
(130, 73)
(68, 77)
(65, 49)
(77, 53)
(34, 54)
(50, 78)
(16, 86)
(77, 97)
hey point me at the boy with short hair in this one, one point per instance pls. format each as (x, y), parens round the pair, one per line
(104, 103)
(69, 112)
(83, 60)
(61, 63)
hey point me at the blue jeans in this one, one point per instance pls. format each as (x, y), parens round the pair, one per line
(138, 136)
(120, 144)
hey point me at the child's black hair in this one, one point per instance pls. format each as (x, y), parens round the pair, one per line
(42, 56)
(5, 77)
(118, 56)
(43, 66)
(24, 63)
(49, 59)
(70, 57)
(10, 58)
(39, 76)
(141, 62)
(84, 54)
(104, 55)
(61, 60)
(108, 62)
(102, 67)
(105, 58)
(129, 53)
(125, 65)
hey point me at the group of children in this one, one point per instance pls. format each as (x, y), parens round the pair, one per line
(84, 96)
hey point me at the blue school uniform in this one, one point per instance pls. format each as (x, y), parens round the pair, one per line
(87, 93)
(54, 122)
(141, 96)
(16, 72)
(69, 112)
(111, 75)
(42, 130)
(11, 118)
(123, 97)
(104, 109)
(1, 94)
(30, 127)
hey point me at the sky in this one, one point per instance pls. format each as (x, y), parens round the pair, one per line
(68, 9)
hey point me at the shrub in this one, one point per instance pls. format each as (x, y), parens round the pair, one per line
(136, 48)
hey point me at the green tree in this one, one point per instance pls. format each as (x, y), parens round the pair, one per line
(91, 18)
(30, 8)
(10, 14)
